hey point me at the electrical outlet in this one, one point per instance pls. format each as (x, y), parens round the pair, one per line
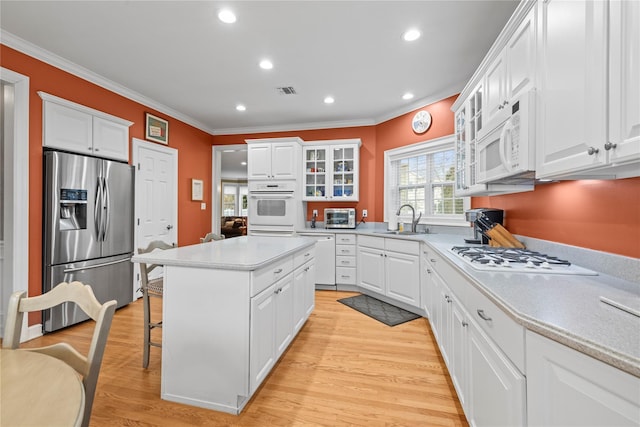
(315, 212)
(364, 213)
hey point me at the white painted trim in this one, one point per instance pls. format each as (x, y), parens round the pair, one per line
(137, 143)
(19, 247)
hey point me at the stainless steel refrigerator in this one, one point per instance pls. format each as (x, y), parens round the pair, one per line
(87, 230)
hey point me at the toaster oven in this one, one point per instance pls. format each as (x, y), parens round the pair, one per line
(340, 218)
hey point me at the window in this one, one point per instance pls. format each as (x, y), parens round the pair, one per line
(234, 199)
(423, 175)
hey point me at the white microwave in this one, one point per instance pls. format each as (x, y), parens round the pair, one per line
(506, 154)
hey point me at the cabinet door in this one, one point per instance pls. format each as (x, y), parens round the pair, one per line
(110, 140)
(521, 58)
(371, 269)
(284, 314)
(67, 128)
(344, 172)
(299, 297)
(496, 388)
(565, 387)
(442, 318)
(458, 350)
(310, 288)
(284, 160)
(572, 70)
(402, 274)
(259, 161)
(263, 339)
(624, 83)
(316, 172)
(495, 93)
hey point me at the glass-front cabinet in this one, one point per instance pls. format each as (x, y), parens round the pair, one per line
(468, 124)
(331, 170)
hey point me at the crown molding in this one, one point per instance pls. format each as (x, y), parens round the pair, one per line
(420, 103)
(21, 45)
(296, 127)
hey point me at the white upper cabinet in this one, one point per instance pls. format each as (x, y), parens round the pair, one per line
(589, 107)
(331, 170)
(624, 82)
(511, 73)
(273, 158)
(73, 127)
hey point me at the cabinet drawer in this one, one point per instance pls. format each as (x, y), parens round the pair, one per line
(301, 257)
(345, 261)
(264, 277)
(500, 328)
(345, 250)
(402, 246)
(345, 239)
(371, 242)
(345, 276)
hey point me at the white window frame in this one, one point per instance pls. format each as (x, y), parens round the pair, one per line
(424, 147)
(241, 189)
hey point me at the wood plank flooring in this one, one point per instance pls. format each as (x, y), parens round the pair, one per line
(343, 369)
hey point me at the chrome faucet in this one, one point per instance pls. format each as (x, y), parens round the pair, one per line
(414, 221)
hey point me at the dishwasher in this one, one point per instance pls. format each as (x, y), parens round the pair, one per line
(325, 260)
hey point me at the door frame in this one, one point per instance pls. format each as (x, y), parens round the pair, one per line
(136, 144)
(216, 182)
(16, 170)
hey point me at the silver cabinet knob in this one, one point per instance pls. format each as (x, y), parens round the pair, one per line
(609, 145)
(591, 151)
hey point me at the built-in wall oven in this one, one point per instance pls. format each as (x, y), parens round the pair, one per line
(274, 208)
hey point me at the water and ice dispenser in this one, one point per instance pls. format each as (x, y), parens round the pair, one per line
(73, 209)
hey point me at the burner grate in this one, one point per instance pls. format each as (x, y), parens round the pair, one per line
(491, 255)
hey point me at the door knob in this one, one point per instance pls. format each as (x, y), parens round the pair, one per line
(169, 227)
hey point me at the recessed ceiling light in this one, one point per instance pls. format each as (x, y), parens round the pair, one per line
(407, 96)
(411, 35)
(227, 16)
(265, 64)
(329, 100)
(240, 107)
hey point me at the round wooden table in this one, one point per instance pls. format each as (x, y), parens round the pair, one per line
(39, 390)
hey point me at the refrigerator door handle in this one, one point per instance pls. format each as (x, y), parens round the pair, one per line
(97, 209)
(106, 210)
(71, 270)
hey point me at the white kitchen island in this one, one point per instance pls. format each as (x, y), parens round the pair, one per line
(230, 309)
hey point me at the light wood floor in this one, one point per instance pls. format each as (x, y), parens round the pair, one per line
(344, 368)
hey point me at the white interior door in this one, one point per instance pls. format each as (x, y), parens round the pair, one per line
(156, 211)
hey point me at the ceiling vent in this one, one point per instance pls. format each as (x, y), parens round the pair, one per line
(286, 90)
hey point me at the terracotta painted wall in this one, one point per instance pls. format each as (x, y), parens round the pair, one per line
(193, 145)
(600, 215)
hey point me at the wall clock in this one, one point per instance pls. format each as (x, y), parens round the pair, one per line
(421, 121)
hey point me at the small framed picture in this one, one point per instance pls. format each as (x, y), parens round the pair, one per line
(156, 129)
(197, 189)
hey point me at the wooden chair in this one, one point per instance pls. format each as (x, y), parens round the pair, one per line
(211, 236)
(87, 366)
(150, 288)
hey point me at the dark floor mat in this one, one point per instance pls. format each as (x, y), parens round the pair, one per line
(381, 311)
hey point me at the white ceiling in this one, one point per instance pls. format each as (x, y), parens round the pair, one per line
(177, 57)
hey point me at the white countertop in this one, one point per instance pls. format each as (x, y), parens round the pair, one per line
(565, 308)
(239, 253)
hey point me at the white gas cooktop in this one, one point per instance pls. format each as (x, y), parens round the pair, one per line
(516, 260)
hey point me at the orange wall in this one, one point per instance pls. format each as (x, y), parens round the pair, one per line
(193, 145)
(600, 215)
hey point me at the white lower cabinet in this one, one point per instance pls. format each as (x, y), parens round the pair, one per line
(497, 390)
(263, 336)
(568, 388)
(390, 267)
(490, 387)
(303, 294)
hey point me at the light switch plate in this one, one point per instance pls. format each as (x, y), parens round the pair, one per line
(203, 206)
